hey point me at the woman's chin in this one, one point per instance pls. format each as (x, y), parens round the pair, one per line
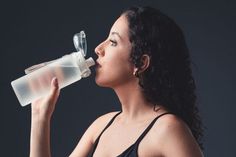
(99, 82)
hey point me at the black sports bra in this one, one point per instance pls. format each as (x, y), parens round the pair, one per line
(131, 151)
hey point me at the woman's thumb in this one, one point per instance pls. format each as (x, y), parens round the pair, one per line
(55, 82)
(54, 88)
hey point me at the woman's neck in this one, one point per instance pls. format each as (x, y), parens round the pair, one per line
(133, 103)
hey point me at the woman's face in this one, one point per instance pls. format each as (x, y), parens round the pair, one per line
(114, 66)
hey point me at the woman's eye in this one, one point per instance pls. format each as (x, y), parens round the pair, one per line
(113, 42)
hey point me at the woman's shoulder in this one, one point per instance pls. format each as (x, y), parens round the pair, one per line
(170, 131)
(170, 124)
(86, 142)
(100, 123)
(106, 116)
(104, 119)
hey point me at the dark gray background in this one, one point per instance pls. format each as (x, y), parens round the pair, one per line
(34, 32)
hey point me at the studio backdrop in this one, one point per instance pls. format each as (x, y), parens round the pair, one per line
(33, 32)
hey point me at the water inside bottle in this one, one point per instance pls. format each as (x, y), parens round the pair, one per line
(38, 85)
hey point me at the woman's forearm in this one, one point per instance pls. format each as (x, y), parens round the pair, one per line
(41, 112)
(40, 137)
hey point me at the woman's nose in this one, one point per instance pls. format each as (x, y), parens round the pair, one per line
(99, 50)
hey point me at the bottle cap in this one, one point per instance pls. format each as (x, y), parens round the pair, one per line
(80, 43)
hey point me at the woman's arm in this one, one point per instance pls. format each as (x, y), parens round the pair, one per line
(40, 137)
(41, 112)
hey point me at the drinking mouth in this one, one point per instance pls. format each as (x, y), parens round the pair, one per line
(97, 64)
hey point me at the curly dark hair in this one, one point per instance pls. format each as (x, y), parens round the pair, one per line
(168, 80)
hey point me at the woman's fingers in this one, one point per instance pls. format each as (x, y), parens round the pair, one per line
(46, 105)
(54, 92)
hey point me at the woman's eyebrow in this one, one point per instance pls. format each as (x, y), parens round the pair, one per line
(116, 33)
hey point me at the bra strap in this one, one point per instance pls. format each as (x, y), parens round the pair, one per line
(98, 138)
(149, 127)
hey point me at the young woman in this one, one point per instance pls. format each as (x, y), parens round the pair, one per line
(146, 62)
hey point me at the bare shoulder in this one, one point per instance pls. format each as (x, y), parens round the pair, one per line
(100, 123)
(167, 126)
(87, 140)
(170, 123)
(174, 137)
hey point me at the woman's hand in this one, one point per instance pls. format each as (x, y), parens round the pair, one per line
(44, 107)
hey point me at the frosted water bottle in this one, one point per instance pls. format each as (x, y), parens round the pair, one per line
(68, 69)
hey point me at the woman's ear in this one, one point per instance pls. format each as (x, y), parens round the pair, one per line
(145, 61)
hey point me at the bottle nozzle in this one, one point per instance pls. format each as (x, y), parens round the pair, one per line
(90, 62)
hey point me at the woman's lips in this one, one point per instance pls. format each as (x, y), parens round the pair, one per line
(98, 64)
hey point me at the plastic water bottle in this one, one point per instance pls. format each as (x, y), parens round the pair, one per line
(68, 69)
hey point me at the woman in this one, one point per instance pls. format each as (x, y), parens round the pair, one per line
(145, 60)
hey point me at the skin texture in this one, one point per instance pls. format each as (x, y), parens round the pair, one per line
(169, 137)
